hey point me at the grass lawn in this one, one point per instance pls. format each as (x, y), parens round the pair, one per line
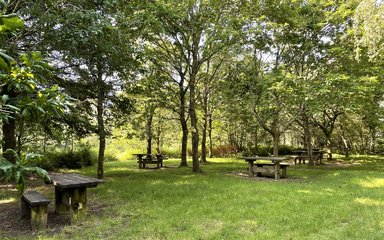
(321, 202)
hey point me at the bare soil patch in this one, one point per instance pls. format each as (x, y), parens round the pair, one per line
(12, 226)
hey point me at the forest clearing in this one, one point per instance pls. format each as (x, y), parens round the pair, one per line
(193, 119)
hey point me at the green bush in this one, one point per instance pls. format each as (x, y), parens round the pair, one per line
(72, 160)
(171, 153)
(286, 150)
(43, 162)
(110, 158)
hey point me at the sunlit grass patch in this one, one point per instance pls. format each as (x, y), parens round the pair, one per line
(8, 200)
(372, 183)
(369, 202)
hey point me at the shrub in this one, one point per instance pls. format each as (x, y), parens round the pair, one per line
(72, 160)
(171, 152)
(15, 172)
(286, 150)
(42, 162)
(110, 158)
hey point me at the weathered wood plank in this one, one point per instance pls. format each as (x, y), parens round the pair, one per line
(34, 206)
(73, 180)
(34, 198)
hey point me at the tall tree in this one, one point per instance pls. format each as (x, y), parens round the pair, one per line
(92, 51)
(190, 33)
(24, 89)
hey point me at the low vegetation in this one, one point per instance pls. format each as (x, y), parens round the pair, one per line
(340, 200)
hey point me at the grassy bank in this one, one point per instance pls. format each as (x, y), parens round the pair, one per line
(324, 202)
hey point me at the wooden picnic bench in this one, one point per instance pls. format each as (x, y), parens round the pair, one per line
(71, 191)
(302, 155)
(34, 206)
(276, 166)
(144, 159)
(269, 168)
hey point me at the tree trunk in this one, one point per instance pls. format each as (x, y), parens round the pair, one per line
(194, 127)
(101, 127)
(204, 142)
(275, 135)
(330, 146)
(149, 130)
(184, 128)
(9, 137)
(276, 140)
(203, 158)
(210, 135)
(308, 138)
(372, 139)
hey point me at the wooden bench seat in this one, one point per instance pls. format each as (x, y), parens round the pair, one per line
(149, 159)
(34, 206)
(316, 157)
(269, 168)
(301, 159)
(160, 158)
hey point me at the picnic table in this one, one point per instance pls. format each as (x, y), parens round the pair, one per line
(140, 158)
(276, 162)
(302, 155)
(149, 159)
(71, 191)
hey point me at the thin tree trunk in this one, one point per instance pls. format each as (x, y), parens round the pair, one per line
(149, 130)
(9, 138)
(158, 139)
(194, 128)
(204, 142)
(184, 128)
(210, 135)
(372, 140)
(101, 127)
(308, 138)
(203, 158)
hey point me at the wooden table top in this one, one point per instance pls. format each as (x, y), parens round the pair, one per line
(73, 180)
(265, 158)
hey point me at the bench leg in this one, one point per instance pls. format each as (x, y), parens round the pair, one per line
(283, 171)
(39, 217)
(25, 211)
(250, 168)
(77, 202)
(62, 199)
(277, 171)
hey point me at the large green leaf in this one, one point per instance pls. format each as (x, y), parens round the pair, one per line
(10, 22)
(5, 61)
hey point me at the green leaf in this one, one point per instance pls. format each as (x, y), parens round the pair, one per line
(5, 61)
(14, 153)
(10, 22)
(4, 98)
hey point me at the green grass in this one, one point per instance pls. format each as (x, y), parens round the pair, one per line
(319, 202)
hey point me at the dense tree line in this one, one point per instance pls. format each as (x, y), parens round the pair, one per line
(241, 73)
